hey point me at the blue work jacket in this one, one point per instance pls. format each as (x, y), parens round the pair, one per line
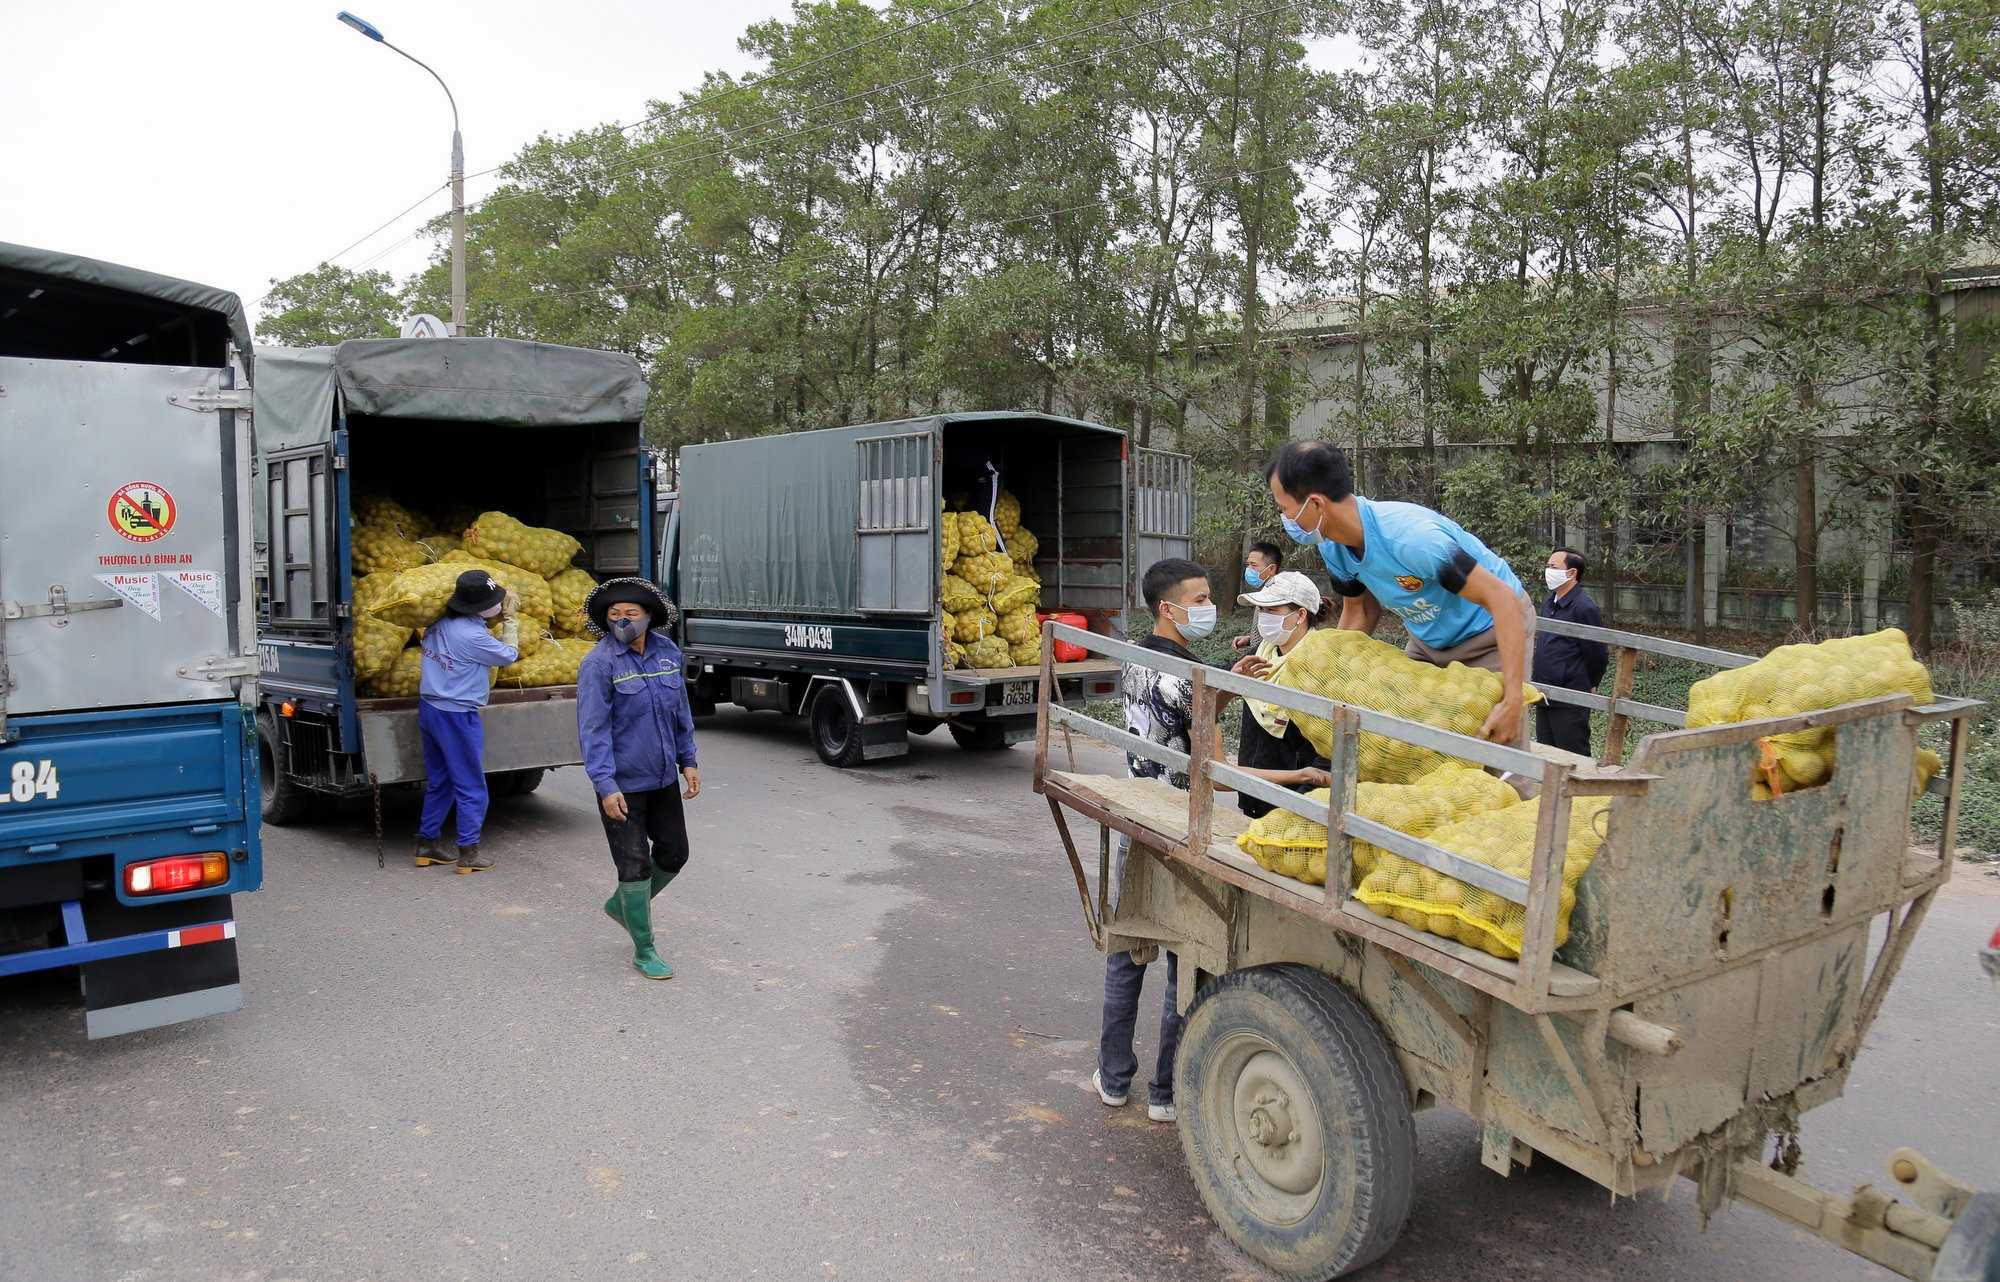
(632, 716)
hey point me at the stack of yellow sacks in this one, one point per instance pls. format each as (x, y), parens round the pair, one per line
(987, 604)
(395, 602)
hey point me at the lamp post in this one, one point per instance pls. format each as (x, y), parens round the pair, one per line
(457, 175)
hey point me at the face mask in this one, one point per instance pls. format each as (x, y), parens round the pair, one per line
(628, 630)
(1299, 534)
(1273, 627)
(1251, 577)
(1200, 620)
(493, 613)
(1555, 578)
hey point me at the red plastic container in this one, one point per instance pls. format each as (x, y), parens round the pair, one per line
(1066, 652)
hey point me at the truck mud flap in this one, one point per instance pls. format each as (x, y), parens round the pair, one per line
(152, 989)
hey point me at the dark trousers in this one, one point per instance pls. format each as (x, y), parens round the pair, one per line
(454, 771)
(1563, 725)
(652, 819)
(1116, 1064)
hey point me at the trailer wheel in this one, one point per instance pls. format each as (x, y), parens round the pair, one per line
(514, 783)
(983, 736)
(282, 802)
(836, 735)
(1295, 1120)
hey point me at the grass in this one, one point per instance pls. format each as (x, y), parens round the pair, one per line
(1965, 671)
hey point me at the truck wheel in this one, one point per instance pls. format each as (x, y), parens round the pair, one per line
(514, 783)
(836, 735)
(1295, 1120)
(282, 802)
(984, 736)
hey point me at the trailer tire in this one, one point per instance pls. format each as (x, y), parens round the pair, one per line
(984, 736)
(1295, 1121)
(836, 734)
(281, 801)
(514, 783)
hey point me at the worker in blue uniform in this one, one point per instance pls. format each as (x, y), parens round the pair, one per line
(459, 656)
(1459, 601)
(637, 732)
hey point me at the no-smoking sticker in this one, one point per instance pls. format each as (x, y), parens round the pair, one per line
(142, 511)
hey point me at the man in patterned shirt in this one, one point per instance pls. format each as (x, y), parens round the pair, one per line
(1159, 708)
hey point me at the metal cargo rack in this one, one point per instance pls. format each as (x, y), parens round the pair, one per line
(1714, 986)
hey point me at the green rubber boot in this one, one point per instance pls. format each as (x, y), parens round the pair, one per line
(635, 908)
(660, 880)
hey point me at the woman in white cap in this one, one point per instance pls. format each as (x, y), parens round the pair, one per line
(1288, 606)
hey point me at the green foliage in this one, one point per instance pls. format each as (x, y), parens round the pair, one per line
(327, 305)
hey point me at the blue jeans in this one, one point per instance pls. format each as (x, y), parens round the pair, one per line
(454, 771)
(1123, 981)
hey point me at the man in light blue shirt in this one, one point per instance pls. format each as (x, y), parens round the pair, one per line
(459, 656)
(1459, 601)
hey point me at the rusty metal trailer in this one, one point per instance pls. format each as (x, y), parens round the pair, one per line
(1717, 982)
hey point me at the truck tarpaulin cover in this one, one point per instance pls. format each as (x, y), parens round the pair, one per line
(20, 263)
(494, 382)
(768, 524)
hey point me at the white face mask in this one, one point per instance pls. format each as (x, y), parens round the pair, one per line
(1200, 620)
(1555, 578)
(1274, 627)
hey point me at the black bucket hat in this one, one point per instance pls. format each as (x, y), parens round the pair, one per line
(476, 593)
(639, 592)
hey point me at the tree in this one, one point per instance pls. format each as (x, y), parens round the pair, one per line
(327, 305)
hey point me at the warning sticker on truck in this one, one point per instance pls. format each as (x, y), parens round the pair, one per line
(142, 511)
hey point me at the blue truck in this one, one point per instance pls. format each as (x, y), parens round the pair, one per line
(128, 763)
(553, 435)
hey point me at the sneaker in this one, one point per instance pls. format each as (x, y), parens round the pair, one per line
(1110, 1100)
(1163, 1112)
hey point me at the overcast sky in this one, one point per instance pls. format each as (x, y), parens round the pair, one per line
(230, 143)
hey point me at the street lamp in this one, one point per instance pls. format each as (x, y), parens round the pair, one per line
(457, 176)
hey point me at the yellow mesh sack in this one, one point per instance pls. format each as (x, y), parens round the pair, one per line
(403, 679)
(416, 597)
(1022, 546)
(436, 543)
(957, 595)
(1025, 654)
(1018, 593)
(537, 601)
(1007, 516)
(1804, 678)
(1349, 667)
(975, 536)
(567, 593)
(1287, 843)
(990, 653)
(1018, 627)
(947, 538)
(378, 547)
(977, 625)
(377, 642)
(554, 664)
(987, 573)
(378, 510)
(1504, 839)
(495, 536)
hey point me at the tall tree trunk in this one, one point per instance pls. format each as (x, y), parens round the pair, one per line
(1805, 519)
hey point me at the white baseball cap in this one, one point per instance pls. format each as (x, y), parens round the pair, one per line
(1288, 588)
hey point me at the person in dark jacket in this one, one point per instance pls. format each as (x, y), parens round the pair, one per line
(637, 733)
(1568, 662)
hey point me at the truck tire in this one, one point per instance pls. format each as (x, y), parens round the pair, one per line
(282, 802)
(514, 783)
(1295, 1121)
(981, 736)
(836, 735)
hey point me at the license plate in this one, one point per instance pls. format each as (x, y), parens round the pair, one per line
(1018, 693)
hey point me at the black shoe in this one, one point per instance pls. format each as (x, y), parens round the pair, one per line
(469, 860)
(429, 852)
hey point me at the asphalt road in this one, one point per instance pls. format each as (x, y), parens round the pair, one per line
(873, 1063)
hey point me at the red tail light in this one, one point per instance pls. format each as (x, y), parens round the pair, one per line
(1994, 943)
(180, 872)
(964, 697)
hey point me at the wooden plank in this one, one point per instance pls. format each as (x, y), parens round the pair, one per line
(1043, 692)
(1205, 740)
(994, 676)
(1746, 731)
(1343, 765)
(1538, 933)
(1122, 739)
(1564, 981)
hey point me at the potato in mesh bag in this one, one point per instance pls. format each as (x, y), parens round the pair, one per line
(1804, 678)
(973, 625)
(987, 573)
(1007, 517)
(1504, 839)
(417, 596)
(1025, 654)
(1019, 627)
(1287, 843)
(990, 653)
(948, 538)
(975, 536)
(438, 543)
(1018, 592)
(537, 601)
(495, 536)
(378, 547)
(567, 593)
(957, 596)
(1349, 667)
(555, 664)
(380, 510)
(1022, 546)
(403, 679)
